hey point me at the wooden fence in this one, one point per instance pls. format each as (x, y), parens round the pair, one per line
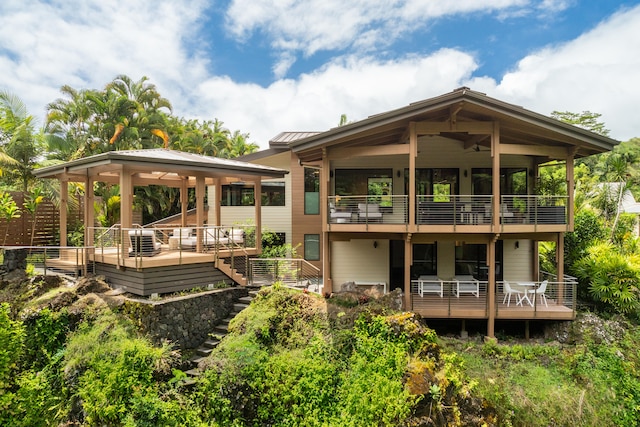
(47, 219)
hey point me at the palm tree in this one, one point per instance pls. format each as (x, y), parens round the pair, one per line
(21, 143)
(146, 120)
(68, 124)
(238, 145)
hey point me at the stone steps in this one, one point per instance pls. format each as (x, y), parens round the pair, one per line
(218, 333)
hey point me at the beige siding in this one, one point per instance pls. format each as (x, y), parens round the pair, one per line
(358, 260)
(274, 218)
(517, 261)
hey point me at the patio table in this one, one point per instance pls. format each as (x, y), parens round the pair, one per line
(528, 288)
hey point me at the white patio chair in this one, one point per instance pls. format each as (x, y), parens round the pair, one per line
(508, 291)
(540, 291)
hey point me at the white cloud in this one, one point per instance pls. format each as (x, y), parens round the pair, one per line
(595, 72)
(357, 87)
(309, 26)
(85, 44)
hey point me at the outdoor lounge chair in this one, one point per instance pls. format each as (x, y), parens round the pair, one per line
(430, 284)
(368, 212)
(468, 285)
(143, 243)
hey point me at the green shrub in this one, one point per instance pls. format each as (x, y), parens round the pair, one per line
(45, 335)
(113, 371)
(613, 277)
(11, 347)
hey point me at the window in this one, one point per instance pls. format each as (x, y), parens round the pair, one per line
(356, 182)
(242, 194)
(237, 194)
(438, 182)
(272, 194)
(312, 247)
(512, 181)
(311, 191)
(472, 259)
(425, 260)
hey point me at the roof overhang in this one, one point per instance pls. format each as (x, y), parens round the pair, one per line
(159, 167)
(517, 126)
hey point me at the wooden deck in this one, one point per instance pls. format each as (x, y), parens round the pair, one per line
(165, 257)
(470, 307)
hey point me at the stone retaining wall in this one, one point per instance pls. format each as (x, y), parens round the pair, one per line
(187, 320)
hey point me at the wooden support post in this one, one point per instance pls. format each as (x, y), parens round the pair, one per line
(64, 206)
(495, 180)
(560, 264)
(325, 182)
(408, 260)
(184, 200)
(491, 291)
(570, 192)
(258, 213)
(413, 153)
(200, 190)
(217, 189)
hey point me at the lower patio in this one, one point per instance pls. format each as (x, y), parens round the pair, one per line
(559, 297)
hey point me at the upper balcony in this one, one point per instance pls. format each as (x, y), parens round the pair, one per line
(448, 214)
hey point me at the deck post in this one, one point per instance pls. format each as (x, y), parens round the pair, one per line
(560, 264)
(408, 259)
(325, 183)
(64, 202)
(184, 201)
(491, 288)
(89, 212)
(495, 180)
(200, 190)
(413, 154)
(257, 191)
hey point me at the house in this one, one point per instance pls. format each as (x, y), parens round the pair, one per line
(438, 199)
(159, 259)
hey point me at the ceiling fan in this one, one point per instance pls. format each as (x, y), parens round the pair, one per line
(477, 148)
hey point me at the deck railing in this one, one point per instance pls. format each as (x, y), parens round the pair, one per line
(535, 209)
(69, 260)
(540, 295)
(142, 244)
(368, 209)
(295, 272)
(454, 210)
(448, 210)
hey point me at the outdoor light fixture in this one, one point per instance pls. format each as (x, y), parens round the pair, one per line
(375, 244)
(517, 244)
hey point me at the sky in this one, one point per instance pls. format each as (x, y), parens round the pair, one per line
(267, 66)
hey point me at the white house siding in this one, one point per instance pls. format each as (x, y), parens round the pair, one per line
(358, 261)
(274, 218)
(517, 261)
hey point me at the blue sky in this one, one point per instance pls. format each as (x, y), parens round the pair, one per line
(265, 66)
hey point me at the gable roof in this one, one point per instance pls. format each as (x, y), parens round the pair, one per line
(517, 125)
